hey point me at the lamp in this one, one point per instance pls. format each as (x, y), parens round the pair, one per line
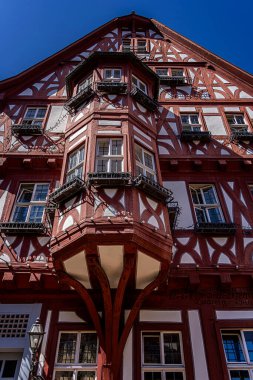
(35, 336)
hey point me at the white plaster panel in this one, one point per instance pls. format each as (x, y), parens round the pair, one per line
(231, 109)
(3, 200)
(27, 92)
(68, 222)
(147, 270)
(197, 343)
(161, 316)
(57, 119)
(244, 94)
(76, 266)
(210, 110)
(250, 112)
(187, 109)
(110, 122)
(234, 314)
(128, 358)
(222, 79)
(44, 343)
(142, 133)
(223, 259)
(143, 142)
(187, 259)
(228, 203)
(111, 258)
(181, 196)
(69, 316)
(215, 125)
(107, 132)
(162, 150)
(78, 133)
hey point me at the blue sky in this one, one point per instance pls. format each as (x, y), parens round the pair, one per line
(32, 30)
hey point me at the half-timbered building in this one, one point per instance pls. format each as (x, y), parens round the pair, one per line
(126, 206)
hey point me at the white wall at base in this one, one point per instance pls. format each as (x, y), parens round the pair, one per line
(234, 314)
(181, 196)
(198, 351)
(128, 358)
(20, 344)
(173, 316)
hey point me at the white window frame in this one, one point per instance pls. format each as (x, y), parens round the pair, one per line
(162, 367)
(85, 83)
(177, 69)
(190, 126)
(79, 164)
(109, 157)
(162, 69)
(235, 125)
(76, 366)
(246, 365)
(6, 356)
(139, 84)
(29, 204)
(141, 46)
(145, 170)
(205, 207)
(36, 119)
(112, 77)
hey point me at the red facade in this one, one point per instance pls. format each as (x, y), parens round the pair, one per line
(126, 210)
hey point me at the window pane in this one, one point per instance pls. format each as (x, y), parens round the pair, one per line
(67, 348)
(102, 166)
(239, 119)
(148, 160)
(63, 375)
(20, 214)
(36, 214)
(214, 215)
(88, 348)
(152, 376)
(209, 195)
(150, 175)
(41, 113)
(9, 368)
(233, 348)
(185, 119)
(117, 74)
(174, 376)
(25, 193)
(139, 170)
(152, 349)
(41, 192)
(30, 113)
(116, 147)
(142, 87)
(239, 375)
(103, 147)
(201, 215)
(172, 354)
(138, 153)
(86, 375)
(116, 166)
(248, 335)
(162, 71)
(194, 119)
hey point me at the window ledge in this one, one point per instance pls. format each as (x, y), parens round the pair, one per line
(189, 136)
(81, 97)
(175, 81)
(26, 129)
(222, 228)
(17, 228)
(242, 136)
(144, 99)
(112, 87)
(67, 190)
(153, 188)
(109, 179)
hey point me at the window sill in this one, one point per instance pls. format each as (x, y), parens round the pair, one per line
(153, 188)
(175, 81)
(67, 190)
(208, 228)
(81, 97)
(112, 87)
(189, 136)
(27, 129)
(241, 136)
(17, 228)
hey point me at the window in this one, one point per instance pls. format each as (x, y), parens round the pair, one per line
(75, 164)
(139, 84)
(190, 122)
(162, 357)
(206, 204)
(76, 357)
(177, 73)
(251, 189)
(162, 72)
(236, 122)
(238, 348)
(85, 84)
(34, 116)
(145, 163)
(141, 46)
(30, 203)
(126, 45)
(9, 365)
(112, 75)
(109, 155)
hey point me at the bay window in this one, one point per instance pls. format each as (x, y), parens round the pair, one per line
(109, 155)
(75, 164)
(136, 82)
(145, 163)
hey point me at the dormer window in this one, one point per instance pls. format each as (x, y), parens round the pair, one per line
(190, 122)
(236, 122)
(137, 83)
(113, 75)
(85, 84)
(177, 73)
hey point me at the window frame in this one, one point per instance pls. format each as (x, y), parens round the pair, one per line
(190, 125)
(29, 204)
(80, 85)
(206, 206)
(236, 126)
(245, 365)
(112, 78)
(162, 367)
(80, 164)
(75, 366)
(110, 157)
(142, 164)
(139, 84)
(35, 120)
(178, 69)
